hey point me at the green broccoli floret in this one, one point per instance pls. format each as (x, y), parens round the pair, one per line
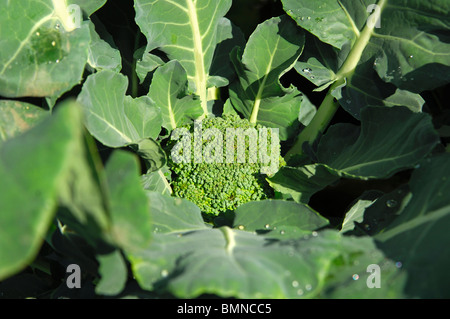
(218, 187)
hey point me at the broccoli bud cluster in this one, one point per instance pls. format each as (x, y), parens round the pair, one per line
(217, 187)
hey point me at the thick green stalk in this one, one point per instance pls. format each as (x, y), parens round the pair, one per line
(329, 105)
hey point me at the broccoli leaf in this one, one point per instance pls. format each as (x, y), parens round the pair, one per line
(389, 140)
(270, 52)
(186, 31)
(43, 54)
(388, 45)
(130, 218)
(188, 259)
(168, 91)
(112, 117)
(33, 168)
(18, 117)
(421, 226)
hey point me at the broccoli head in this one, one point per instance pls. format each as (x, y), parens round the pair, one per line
(227, 174)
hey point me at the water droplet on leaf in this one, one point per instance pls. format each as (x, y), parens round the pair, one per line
(391, 203)
(355, 277)
(295, 283)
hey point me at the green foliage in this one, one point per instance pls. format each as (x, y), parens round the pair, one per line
(95, 96)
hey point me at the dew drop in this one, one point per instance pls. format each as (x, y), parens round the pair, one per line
(308, 287)
(348, 101)
(241, 227)
(312, 76)
(314, 233)
(355, 277)
(300, 292)
(282, 232)
(266, 226)
(38, 34)
(398, 264)
(391, 203)
(302, 18)
(53, 43)
(164, 273)
(307, 70)
(57, 61)
(57, 26)
(309, 18)
(411, 56)
(295, 284)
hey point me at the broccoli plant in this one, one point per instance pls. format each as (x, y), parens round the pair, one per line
(155, 150)
(230, 169)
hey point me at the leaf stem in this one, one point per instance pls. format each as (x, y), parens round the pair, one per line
(329, 105)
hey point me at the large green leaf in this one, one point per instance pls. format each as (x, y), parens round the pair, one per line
(270, 52)
(303, 182)
(420, 228)
(101, 54)
(112, 117)
(17, 117)
(32, 167)
(113, 271)
(276, 215)
(404, 43)
(44, 51)
(333, 22)
(186, 31)
(128, 205)
(157, 181)
(320, 64)
(168, 90)
(188, 258)
(389, 140)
